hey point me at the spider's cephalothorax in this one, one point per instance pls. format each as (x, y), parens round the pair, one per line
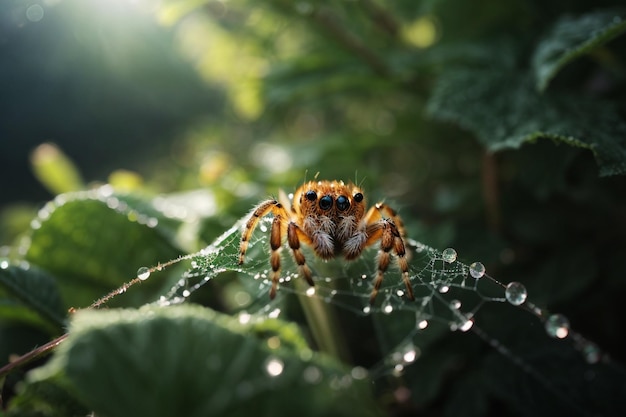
(331, 218)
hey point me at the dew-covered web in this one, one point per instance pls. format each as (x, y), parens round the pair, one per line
(448, 293)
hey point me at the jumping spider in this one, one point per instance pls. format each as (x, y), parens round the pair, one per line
(330, 217)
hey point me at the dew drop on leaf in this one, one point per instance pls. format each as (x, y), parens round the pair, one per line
(515, 293)
(449, 255)
(477, 270)
(557, 325)
(143, 273)
(310, 292)
(422, 324)
(4, 263)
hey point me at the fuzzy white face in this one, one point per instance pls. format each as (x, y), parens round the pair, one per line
(330, 213)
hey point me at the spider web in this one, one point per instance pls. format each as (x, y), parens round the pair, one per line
(450, 296)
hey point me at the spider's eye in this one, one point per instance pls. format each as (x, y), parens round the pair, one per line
(343, 203)
(326, 202)
(311, 195)
(358, 197)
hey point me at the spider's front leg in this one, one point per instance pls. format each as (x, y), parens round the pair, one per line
(276, 234)
(294, 236)
(390, 237)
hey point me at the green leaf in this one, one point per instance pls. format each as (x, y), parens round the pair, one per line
(45, 399)
(55, 170)
(191, 361)
(504, 111)
(95, 241)
(572, 37)
(35, 290)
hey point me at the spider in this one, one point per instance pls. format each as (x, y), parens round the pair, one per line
(330, 217)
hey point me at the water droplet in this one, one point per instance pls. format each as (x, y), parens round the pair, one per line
(444, 289)
(592, 352)
(34, 13)
(467, 325)
(455, 304)
(363, 276)
(515, 293)
(449, 255)
(422, 324)
(274, 367)
(399, 293)
(143, 273)
(358, 372)
(410, 355)
(4, 263)
(310, 292)
(557, 325)
(387, 308)
(312, 374)
(273, 342)
(398, 369)
(274, 313)
(186, 293)
(244, 318)
(367, 309)
(477, 270)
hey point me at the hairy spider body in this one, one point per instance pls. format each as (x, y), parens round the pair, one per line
(331, 218)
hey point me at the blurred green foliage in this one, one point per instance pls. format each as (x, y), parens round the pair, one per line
(496, 128)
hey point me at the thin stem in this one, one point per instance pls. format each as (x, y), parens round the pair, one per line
(32, 355)
(323, 323)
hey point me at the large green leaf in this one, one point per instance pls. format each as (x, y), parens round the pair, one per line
(30, 290)
(572, 37)
(504, 111)
(191, 361)
(95, 241)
